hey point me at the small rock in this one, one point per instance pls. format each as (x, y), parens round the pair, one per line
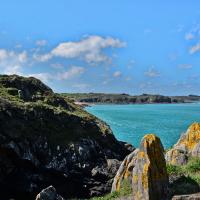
(49, 194)
(187, 197)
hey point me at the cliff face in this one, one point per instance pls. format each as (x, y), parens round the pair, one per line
(128, 99)
(45, 140)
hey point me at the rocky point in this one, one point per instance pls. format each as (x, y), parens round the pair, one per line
(45, 139)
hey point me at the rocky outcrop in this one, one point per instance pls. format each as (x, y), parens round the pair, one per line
(187, 197)
(146, 169)
(150, 178)
(46, 139)
(125, 171)
(49, 194)
(187, 146)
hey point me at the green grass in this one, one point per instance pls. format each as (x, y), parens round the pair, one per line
(190, 169)
(125, 191)
(193, 166)
(190, 182)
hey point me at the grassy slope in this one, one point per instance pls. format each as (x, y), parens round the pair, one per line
(43, 104)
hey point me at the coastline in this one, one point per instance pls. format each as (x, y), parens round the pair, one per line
(86, 104)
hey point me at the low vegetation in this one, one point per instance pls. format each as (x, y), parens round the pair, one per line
(124, 192)
(189, 177)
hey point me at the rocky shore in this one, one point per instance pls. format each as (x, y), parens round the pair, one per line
(155, 174)
(51, 149)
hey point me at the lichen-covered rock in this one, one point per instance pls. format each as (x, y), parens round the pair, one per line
(188, 145)
(125, 170)
(150, 178)
(146, 169)
(187, 197)
(49, 194)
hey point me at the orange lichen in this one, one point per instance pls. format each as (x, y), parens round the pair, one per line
(118, 183)
(145, 175)
(192, 136)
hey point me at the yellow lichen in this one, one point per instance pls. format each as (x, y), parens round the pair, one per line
(192, 136)
(145, 175)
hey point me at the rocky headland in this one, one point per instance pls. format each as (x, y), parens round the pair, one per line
(45, 139)
(51, 149)
(105, 98)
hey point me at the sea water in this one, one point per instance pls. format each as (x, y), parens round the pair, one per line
(130, 123)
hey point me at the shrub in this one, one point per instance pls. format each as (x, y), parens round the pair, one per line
(193, 165)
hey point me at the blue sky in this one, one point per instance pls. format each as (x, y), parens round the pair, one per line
(129, 46)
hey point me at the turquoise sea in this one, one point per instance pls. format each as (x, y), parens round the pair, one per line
(131, 122)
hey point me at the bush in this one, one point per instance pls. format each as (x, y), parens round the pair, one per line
(173, 169)
(193, 165)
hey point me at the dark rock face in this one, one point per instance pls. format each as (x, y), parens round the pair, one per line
(49, 194)
(26, 87)
(181, 184)
(47, 140)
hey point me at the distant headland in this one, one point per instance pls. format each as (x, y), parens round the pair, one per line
(106, 98)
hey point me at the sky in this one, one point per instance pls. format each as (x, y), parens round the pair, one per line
(112, 46)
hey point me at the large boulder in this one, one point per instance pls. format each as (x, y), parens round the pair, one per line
(145, 168)
(188, 145)
(125, 171)
(150, 178)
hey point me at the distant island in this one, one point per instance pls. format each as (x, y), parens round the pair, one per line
(103, 98)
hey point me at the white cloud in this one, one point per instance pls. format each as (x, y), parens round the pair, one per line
(189, 36)
(195, 48)
(73, 72)
(117, 74)
(42, 58)
(45, 77)
(22, 57)
(185, 66)
(41, 43)
(3, 54)
(151, 72)
(90, 49)
(11, 62)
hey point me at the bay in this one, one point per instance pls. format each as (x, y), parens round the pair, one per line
(130, 123)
